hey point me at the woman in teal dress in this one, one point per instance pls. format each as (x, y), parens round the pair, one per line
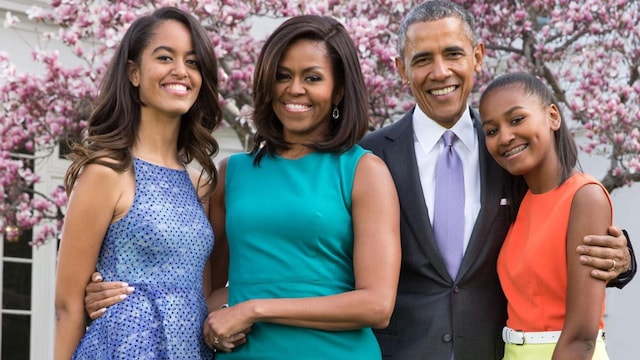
(311, 219)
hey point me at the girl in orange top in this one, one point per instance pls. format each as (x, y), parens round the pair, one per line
(555, 308)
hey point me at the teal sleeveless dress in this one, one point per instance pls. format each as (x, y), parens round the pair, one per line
(290, 235)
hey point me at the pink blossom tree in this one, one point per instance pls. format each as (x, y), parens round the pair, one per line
(588, 51)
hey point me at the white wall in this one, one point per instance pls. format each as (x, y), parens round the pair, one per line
(52, 171)
(623, 312)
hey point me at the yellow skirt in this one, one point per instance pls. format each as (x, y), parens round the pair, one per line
(545, 351)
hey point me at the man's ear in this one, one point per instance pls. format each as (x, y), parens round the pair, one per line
(478, 56)
(133, 70)
(400, 68)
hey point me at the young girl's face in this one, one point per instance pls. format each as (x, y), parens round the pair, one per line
(168, 76)
(519, 130)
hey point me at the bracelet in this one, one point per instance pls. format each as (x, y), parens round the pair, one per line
(223, 306)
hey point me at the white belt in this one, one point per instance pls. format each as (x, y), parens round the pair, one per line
(519, 337)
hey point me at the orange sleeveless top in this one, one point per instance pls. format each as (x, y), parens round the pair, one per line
(532, 264)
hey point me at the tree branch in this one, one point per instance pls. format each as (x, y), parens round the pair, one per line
(612, 182)
(504, 48)
(569, 42)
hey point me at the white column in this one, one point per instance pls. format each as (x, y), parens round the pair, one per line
(42, 304)
(43, 276)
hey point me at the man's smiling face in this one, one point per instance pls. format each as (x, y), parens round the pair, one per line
(439, 63)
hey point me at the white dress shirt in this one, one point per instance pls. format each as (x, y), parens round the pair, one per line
(428, 145)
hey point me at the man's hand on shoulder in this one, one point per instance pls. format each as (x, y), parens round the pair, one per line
(610, 255)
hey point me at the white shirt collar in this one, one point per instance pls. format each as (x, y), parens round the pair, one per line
(428, 132)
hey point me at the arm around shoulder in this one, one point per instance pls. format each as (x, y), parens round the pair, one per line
(600, 252)
(623, 279)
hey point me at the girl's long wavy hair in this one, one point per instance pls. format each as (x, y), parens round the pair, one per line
(113, 125)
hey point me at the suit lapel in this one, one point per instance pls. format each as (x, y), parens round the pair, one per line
(401, 160)
(491, 192)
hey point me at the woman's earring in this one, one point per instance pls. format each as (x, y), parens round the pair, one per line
(335, 113)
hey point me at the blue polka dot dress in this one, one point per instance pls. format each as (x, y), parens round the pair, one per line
(159, 247)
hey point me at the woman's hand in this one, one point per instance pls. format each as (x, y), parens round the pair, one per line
(220, 329)
(100, 295)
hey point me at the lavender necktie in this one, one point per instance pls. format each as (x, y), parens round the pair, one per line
(448, 217)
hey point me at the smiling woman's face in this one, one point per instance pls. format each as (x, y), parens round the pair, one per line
(304, 91)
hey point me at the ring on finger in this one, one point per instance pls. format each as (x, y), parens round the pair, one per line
(613, 265)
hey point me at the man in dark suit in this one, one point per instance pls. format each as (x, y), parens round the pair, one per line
(437, 315)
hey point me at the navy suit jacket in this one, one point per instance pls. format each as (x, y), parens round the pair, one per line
(435, 314)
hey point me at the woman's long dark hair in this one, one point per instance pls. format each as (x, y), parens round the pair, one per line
(352, 124)
(114, 123)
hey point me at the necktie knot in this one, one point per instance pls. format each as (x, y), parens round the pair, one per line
(448, 137)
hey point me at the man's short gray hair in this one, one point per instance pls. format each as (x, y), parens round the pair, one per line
(432, 11)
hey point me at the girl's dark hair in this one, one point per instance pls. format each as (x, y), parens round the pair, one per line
(113, 124)
(353, 121)
(565, 145)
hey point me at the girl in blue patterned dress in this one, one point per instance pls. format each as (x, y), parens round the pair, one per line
(310, 218)
(135, 211)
